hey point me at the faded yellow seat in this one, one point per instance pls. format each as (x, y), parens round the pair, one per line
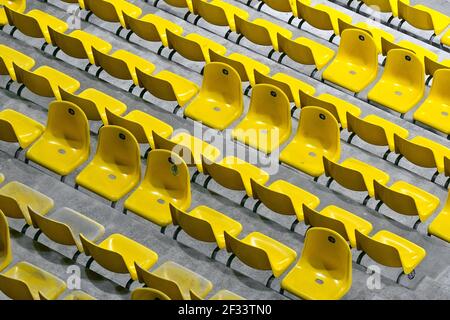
(423, 17)
(407, 199)
(17, 127)
(6, 256)
(226, 295)
(24, 281)
(440, 227)
(8, 56)
(219, 13)
(335, 218)
(78, 295)
(112, 10)
(205, 224)
(284, 198)
(317, 136)
(15, 198)
(166, 181)
(234, 173)
(355, 174)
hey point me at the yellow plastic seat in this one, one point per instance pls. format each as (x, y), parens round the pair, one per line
(305, 51)
(431, 66)
(321, 16)
(337, 219)
(46, 81)
(141, 125)
(65, 143)
(112, 11)
(116, 167)
(440, 227)
(94, 103)
(16, 5)
(261, 252)
(288, 84)
(234, 173)
(122, 64)
(220, 100)
(375, 130)
(8, 56)
(419, 51)
(78, 2)
(267, 124)
(435, 110)
(188, 147)
(402, 84)
(175, 281)
(445, 40)
(282, 5)
(119, 254)
(219, 295)
(205, 224)
(148, 294)
(219, 13)
(245, 66)
(25, 281)
(18, 128)
(355, 175)
(180, 4)
(356, 63)
(65, 226)
(168, 86)
(261, 31)
(15, 198)
(384, 5)
(78, 44)
(407, 199)
(317, 136)
(5, 242)
(194, 47)
(422, 152)
(166, 182)
(423, 17)
(324, 271)
(284, 198)
(35, 23)
(78, 295)
(391, 250)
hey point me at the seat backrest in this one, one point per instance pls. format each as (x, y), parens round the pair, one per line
(210, 12)
(415, 153)
(225, 176)
(447, 166)
(26, 24)
(15, 289)
(252, 256)
(166, 286)
(418, 18)
(279, 5)
(343, 25)
(274, 200)
(7, 131)
(252, 31)
(296, 51)
(144, 29)
(88, 106)
(382, 253)
(158, 87)
(10, 207)
(431, 66)
(134, 127)
(387, 46)
(406, 68)
(148, 294)
(348, 178)
(68, 44)
(177, 3)
(309, 100)
(105, 10)
(439, 88)
(313, 218)
(397, 201)
(189, 49)
(369, 132)
(34, 82)
(317, 18)
(236, 65)
(5, 242)
(182, 151)
(3, 68)
(358, 47)
(114, 66)
(379, 5)
(266, 79)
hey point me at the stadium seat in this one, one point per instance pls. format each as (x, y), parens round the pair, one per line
(45, 81)
(220, 101)
(174, 280)
(151, 27)
(261, 31)
(375, 130)
(180, 4)
(65, 225)
(391, 250)
(112, 11)
(234, 173)
(356, 63)
(35, 23)
(310, 144)
(5, 243)
(431, 66)
(418, 49)
(284, 198)
(355, 175)
(120, 254)
(282, 5)
(94, 103)
(219, 295)
(440, 227)
(141, 125)
(168, 86)
(18, 128)
(188, 147)
(65, 143)
(261, 252)
(219, 13)
(122, 64)
(406, 199)
(335, 218)
(384, 6)
(8, 56)
(78, 295)
(435, 110)
(78, 44)
(205, 224)
(267, 124)
(445, 40)
(116, 167)
(324, 271)
(193, 47)
(15, 5)
(402, 84)
(423, 17)
(148, 294)
(166, 181)
(24, 281)
(80, 3)
(15, 198)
